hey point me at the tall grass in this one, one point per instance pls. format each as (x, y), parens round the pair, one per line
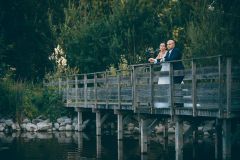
(22, 99)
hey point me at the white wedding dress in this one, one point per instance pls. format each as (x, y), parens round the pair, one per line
(164, 80)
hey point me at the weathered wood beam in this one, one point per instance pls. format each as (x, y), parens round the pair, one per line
(178, 138)
(120, 126)
(226, 141)
(194, 89)
(229, 86)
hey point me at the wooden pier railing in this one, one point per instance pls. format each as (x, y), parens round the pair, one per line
(211, 87)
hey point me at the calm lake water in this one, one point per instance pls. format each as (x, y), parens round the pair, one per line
(85, 146)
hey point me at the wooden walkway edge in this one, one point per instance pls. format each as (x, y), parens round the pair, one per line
(210, 90)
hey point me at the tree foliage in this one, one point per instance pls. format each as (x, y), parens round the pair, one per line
(213, 28)
(25, 36)
(95, 33)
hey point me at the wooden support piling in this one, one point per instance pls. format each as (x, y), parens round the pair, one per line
(80, 142)
(226, 139)
(165, 135)
(120, 150)
(179, 139)
(120, 126)
(195, 141)
(99, 146)
(98, 123)
(80, 121)
(144, 140)
(218, 139)
(165, 131)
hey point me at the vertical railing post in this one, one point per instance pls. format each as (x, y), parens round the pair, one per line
(76, 90)
(133, 78)
(67, 96)
(194, 88)
(59, 85)
(52, 82)
(229, 85)
(220, 86)
(95, 90)
(85, 90)
(171, 90)
(151, 88)
(106, 88)
(119, 89)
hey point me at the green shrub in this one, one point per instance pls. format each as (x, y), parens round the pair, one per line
(24, 99)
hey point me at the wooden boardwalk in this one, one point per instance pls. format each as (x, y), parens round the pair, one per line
(210, 90)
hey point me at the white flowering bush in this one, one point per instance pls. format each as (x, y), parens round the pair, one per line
(59, 58)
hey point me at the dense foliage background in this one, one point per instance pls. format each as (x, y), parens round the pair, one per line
(96, 34)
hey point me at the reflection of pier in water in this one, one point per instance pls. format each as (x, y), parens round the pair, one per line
(211, 91)
(79, 146)
(162, 150)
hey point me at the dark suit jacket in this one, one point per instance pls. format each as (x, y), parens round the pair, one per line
(175, 55)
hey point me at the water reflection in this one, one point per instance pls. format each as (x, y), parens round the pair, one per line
(78, 145)
(144, 157)
(120, 150)
(99, 147)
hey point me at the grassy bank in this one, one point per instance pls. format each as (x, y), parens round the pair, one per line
(21, 99)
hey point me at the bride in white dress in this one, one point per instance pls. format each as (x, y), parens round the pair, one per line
(165, 66)
(161, 54)
(164, 79)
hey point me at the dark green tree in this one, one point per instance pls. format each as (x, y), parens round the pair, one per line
(26, 36)
(214, 28)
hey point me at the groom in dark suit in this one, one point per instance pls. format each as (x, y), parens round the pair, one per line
(174, 54)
